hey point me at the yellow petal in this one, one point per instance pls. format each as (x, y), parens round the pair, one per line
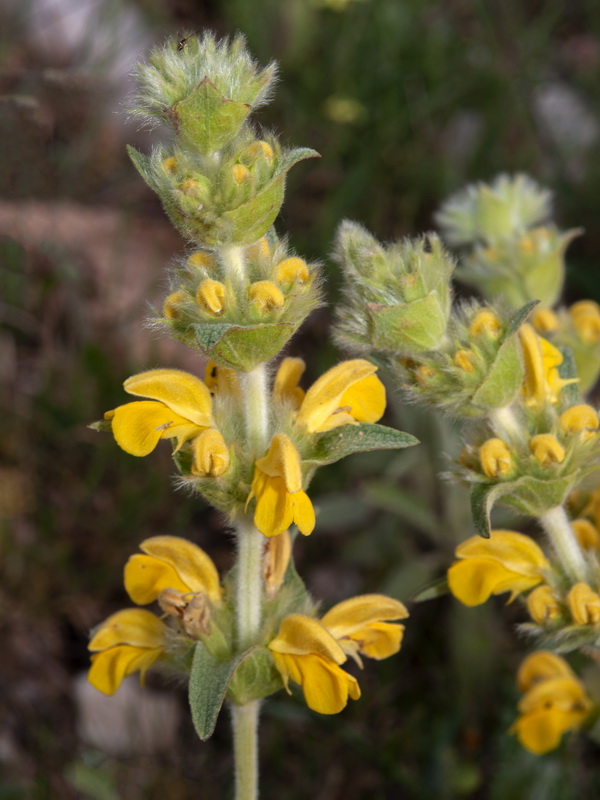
(300, 635)
(331, 395)
(541, 666)
(276, 559)
(515, 550)
(546, 449)
(378, 640)
(274, 512)
(138, 427)
(303, 512)
(565, 693)
(133, 626)
(282, 461)
(146, 577)
(292, 269)
(543, 605)
(285, 386)
(192, 565)
(210, 295)
(183, 393)
(356, 613)
(534, 383)
(540, 731)
(110, 666)
(266, 296)
(326, 686)
(584, 604)
(473, 580)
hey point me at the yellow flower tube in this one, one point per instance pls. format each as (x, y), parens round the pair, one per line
(347, 394)
(129, 641)
(507, 562)
(285, 385)
(169, 562)
(277, 486)
(305, 653)
(361, 625)
(179, 407)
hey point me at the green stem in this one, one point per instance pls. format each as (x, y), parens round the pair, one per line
(234, 265)
(249, 583)
(560, 533)
(245, 746)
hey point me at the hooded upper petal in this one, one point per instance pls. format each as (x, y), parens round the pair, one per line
(183, 393)
(346, 394)
(170, 563)
(361, 625)
(138, 427)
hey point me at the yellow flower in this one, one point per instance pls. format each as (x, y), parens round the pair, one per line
(361, 626)
(586, 534)
(277, 486)
(542, 605)
(170, 306)
(495, 458)
(507, 562)
(285, 386)
(290, 270)
(485, 323)
(129, 641)
(555, 702)
(579, 418)
(266, 296)
(542, 382)
(276, 558)
(347, 394)
(584, 604)
(179, 407)
(544, 320)
(211, 454)
(170, 563)
(305, 653)
(210, 294)
(463, 359)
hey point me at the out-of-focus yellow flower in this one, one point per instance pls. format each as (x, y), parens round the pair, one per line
(555, 702)
(495, 458)
(306, 653)
(507, 562)
(266, 296)
(344, 110)
(547, 449)
(586, 534)
(463, 359)
(542, 605)
(584, 604)
(586, 319)
(542, 382)
(579, 418)
(544, 320)
(221, 380)
(285, 386)
(202, 259)
(277, 487)
(347, 394)
(170, 306)
(260, 249)
(179, 408)
(485, 322)
(169, 562)
(130, 641)
(361, 625)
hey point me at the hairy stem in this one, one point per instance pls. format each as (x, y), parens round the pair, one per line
(560, 534)
(245, 745)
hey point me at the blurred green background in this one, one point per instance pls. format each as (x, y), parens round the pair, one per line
(406, 100)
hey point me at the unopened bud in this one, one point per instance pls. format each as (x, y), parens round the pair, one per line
(485, 323)
(276, 558)
(202, 259)
(266, 296)
(584, 605)
(586, 319)
(211, 296)
(211, 454)
(579, 418)
(196, 617)
(171, 305)
(463, 359)
(495, 458)
(290, 270)
(544, 320)
(543, 605)
(586, 534)
(547, 449)
(241, 174)
(259, 249)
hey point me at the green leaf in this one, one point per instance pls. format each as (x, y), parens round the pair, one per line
(518, 318)
(570, 395)
(142, 164)
(101, 425)
(206, 120)
(437, 588)
(242, 347)
(348, 439)
(414, 327)
(257, 676)
(209, 682)
(483, 498)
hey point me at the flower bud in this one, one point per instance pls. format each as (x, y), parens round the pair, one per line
(544, 320)
(579, 418)
(171, 303)
(463, 359)
(290, 270)
(547, 449)
(266, 296)
(202, 259)
(276, 558)
(542, 605)
(211, 296)
(584, 605)
(211, 454)
(495, 458)
(586, 319)
(259, 249)
(485, 323)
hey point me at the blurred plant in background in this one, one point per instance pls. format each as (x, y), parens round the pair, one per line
(442, 96)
